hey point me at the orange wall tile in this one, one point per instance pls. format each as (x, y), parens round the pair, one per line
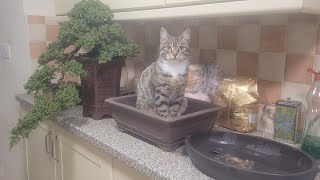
(36, 19)
(52, 32)
(207, 56)
(227, 37)
(269, 91)
(247, 64)
(36, 48)
(296, 68)
(272, 39)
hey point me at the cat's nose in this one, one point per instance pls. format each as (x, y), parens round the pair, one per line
(174, 54)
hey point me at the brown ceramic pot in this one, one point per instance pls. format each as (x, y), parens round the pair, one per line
(101, 82)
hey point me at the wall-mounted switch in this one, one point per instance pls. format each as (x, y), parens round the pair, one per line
(5, 51)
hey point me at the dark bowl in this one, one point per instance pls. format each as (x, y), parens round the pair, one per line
(231, 156)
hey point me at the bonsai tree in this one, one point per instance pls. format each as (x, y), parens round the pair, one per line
(90, 25)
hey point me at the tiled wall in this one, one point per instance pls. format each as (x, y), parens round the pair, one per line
(277, 49)
(42, 30)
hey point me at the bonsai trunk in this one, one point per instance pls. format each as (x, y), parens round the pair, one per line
(101, 82)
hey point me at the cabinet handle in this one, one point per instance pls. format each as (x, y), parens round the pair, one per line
(53, 150)
(46, 142)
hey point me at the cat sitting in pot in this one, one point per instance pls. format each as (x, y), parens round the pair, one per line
(162, 85)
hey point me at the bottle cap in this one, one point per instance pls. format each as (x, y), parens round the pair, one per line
(316, 74)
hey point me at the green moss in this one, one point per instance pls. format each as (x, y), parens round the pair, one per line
(90, 25)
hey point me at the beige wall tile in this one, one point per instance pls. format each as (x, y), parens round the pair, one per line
(301, 38)
(195, 55)
(194, 43)
(208, 37)
(207, 56)
(271, 66)
(51, 20)
(34, 64)
(302, 18)
(152, 33)
(135, 31)
(296, 68)
(247, 64)
(249, 37)
(274, 19)
(37, 32)
(318, 41)
(227, 37)
(269, 91)
(253, 19)
(317, 63)
(226, 20)
(227, 61)
(52, 32)
(36, 19)
(36, 48)
(296, 91)
(152, 54)
(272, 39)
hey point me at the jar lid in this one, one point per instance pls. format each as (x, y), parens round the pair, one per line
(288, 102)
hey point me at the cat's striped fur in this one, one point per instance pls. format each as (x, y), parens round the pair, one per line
(162, 85)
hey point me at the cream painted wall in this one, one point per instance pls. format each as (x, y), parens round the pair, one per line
(13, 74)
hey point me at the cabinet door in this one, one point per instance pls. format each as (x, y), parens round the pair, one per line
(122, 5)
(40, 165)
(79, 161)
(194, 2)
(123, 172)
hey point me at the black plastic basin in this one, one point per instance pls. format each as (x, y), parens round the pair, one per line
(230, 156)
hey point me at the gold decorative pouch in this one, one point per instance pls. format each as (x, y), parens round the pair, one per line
(239, 96)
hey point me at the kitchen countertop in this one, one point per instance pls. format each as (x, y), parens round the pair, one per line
(145, 158)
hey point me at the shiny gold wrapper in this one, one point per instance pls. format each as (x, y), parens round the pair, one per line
(239, 96)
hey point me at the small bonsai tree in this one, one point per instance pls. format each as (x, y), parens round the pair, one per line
(90, 25)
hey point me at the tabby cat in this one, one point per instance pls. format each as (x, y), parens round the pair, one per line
(162, 85)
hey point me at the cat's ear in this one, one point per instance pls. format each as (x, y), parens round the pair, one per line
(163, 34)
(186, 35)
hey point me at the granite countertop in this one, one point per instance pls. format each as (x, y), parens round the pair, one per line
(145, 158)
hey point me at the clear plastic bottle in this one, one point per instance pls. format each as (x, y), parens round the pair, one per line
(311, 133)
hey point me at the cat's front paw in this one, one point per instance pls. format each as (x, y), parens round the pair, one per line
(163, 113)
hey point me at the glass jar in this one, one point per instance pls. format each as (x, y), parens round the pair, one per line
(311, 134)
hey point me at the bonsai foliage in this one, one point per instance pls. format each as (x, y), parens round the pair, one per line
(89, 26)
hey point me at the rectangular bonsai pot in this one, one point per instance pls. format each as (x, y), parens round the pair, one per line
(168, 134)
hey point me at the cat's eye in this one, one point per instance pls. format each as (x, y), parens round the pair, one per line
(181, 48)
(168, 47)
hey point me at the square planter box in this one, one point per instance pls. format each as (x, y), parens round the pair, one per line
(168, 134)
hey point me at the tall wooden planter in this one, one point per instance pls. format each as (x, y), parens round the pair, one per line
(101, 82)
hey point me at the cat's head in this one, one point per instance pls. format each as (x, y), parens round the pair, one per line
(174, 48)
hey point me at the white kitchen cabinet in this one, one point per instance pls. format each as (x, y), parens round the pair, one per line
(194, 2)
(161, 9)
(80, 161)
(207, 8)
(125, 5)
(55, 154)
(40, 165)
